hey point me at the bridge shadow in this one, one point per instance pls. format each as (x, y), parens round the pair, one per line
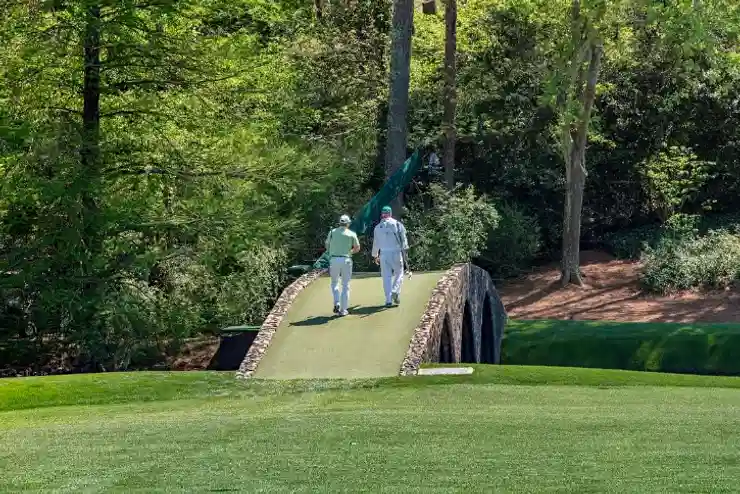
(361, 311)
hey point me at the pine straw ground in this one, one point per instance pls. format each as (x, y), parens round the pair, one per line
(611, 293)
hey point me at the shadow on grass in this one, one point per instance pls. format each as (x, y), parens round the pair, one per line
(353, 311)
(367, 311)
(314, 321)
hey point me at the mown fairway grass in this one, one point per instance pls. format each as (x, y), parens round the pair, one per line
(694, 348)
(508, 429)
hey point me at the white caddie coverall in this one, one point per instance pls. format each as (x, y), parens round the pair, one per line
(339, 244)
(389, 239)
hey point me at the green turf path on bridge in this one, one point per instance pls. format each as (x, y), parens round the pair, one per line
(370, 342)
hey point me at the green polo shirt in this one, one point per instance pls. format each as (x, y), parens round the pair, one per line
(340, 241)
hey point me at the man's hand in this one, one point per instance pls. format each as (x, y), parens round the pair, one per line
(377, 260)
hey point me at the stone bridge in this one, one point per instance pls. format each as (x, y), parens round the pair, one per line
(444, 317)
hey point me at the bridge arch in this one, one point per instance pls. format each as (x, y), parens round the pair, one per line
(467, 345)
(446, 348)
(465, 302)
(487, 334)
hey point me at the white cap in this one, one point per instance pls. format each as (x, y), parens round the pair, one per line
(344, 220)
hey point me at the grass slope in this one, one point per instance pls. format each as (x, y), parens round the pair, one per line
(370, 342)
(695, 348)
(503, 429)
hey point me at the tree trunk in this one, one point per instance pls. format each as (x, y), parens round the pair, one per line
(450, 98)
(90, 231)
(319, 9)
(575, 183)
(90, 148)
(379, 171)
(90, 145)
(575, 162)
(376, 18)
(398, 100)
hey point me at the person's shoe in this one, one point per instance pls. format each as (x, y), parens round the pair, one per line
(389, 304)
(343, 313)
(336, 309)
(396, 298)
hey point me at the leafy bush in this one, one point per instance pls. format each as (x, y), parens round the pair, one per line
(679, 348)
(673, 178)
(712, 261)
(447, 228)
(514, 244)
(139, 322)
(631, 243)
(729, 221)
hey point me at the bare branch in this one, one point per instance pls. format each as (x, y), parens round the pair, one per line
(64, 110)
(181, 173)
(174, 82)
(131, 112)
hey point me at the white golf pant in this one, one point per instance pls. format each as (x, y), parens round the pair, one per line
(340, 267)
(391, 269)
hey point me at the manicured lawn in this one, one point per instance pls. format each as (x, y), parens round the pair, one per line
(508, 429)
(694, 348)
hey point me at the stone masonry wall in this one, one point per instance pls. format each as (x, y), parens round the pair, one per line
(430, 326)
(272, 322)
(461, 284)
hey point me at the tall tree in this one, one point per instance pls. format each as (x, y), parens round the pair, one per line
(400, 76)
(575, 102)
(119, 107)
(450, 93)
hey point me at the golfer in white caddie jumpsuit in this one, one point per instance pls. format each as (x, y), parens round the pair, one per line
(389, 246)
(341, 243)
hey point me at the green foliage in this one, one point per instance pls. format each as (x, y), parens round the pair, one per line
(233, 132)
(711, 261)
(514, 244)
(672, 179)
(658, 347)
(631, 243)
(198, 197)
(448, 227)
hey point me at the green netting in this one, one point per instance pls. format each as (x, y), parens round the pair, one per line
(364, 218)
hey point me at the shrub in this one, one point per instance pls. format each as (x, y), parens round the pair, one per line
(447, 228)
(729, 221)
(631, 243)
(514, 244)
(678, 348)
(674, 178)
(712, 261)
(138, 322)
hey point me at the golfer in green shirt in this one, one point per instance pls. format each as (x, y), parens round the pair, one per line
(341, 243)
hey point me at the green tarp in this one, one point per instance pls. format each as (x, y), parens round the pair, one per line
(370, 212)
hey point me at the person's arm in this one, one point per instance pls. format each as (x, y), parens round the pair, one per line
(355, 244)
(376, 247)
(328, 240)
(404, 239)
